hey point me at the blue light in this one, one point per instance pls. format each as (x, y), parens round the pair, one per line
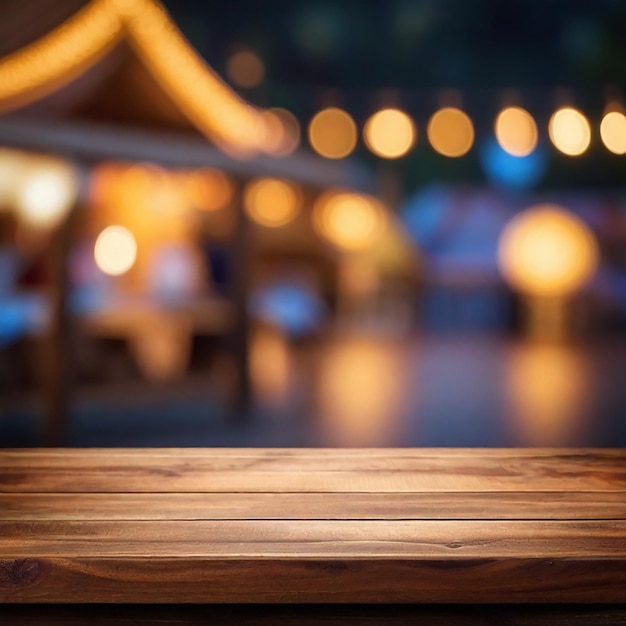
(294, 308)
(510, 171)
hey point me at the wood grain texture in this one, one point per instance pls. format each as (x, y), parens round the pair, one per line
(563, 505)
(302, 471)
(321, 526)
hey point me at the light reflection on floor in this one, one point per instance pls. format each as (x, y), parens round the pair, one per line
(362, 389)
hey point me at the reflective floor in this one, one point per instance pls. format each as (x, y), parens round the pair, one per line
(363, 389)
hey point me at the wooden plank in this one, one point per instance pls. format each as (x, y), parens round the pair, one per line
(272, 580)
(296, 539)
(309, 615)
(605, 505)
(278, 471)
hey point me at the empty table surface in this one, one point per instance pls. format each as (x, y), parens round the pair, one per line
(312, 525)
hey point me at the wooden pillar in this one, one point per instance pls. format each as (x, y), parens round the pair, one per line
(240, 296)
(58, 353)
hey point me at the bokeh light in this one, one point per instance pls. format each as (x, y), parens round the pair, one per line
(569, 131)
(332, 133)
(548, 386)
(613, 132)
(348, 220)
(451, 132)
(245, 69)
(207, 189)
(513, 172)
(516, 131)
(546, 251)
(115, 251)
(390, 133)
(282, 132)
(272, 202)
(46, 193)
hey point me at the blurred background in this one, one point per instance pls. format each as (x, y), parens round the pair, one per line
(312, 223)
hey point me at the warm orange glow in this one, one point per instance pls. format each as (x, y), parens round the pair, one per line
(390, 133)
(67, 52)
(282, 132)
(549, 389)
(451, 132)
(115, 251)
(546, 251)
(348, 220)
(12, 166)
(270, 365)
(569, 131)
(272, 202)
(516, 131)
(46, 192)
(359, 392)
(207, 189)
(332, 133)
(59, 57)
(613, 132)
(245, 69)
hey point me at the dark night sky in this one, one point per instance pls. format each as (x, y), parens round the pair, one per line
(418, 43)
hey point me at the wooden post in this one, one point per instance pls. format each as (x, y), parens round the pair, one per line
(240, 291)
(57, 355)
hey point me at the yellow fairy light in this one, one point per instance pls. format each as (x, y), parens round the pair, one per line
(59, 57)
(332, 133)
(272, 202)
(569, 131)
(348, 220)
(613, 132)
(516, 131)
(389, 133)
(451, 132)
(547, 251)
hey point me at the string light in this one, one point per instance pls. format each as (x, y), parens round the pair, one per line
(390, 133)
(60, 56)
(450, 132)
(613, 132)
(332, 133)
(569, 131)
(68, 51)
(516, 131)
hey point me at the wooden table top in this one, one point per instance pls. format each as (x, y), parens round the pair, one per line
(312, 525)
